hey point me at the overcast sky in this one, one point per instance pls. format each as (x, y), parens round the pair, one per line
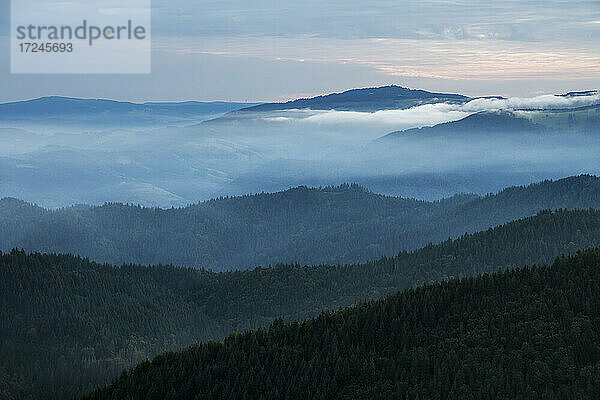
(246, 50)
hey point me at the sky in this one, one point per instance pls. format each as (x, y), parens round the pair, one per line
(249, 50)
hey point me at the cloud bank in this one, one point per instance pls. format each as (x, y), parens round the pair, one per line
(552, 102)
(432, 114)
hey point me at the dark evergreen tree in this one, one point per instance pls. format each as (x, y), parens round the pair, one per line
(67, 324)
(531, 333)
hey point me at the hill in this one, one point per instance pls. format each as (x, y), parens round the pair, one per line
(54, 106)
(104, 114)
(68, 324)
(332, 225)
(529, 333)
(366, 100)
(486, 124)
(479, 124)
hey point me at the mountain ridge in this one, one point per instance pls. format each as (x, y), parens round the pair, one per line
(118, 316)
(61, 112)
(54, 103)
(361, 99)
(486, 122)
(308, 226)
(463, 338)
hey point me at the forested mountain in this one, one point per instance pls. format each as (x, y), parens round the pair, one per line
(530, 333)
(482, 123)
(366, 100)
(485, 124)
(333, 225)
(68, 324)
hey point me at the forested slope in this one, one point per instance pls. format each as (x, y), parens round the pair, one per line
(68, 324)
(332, 225)
(530, 333)
(366, 100)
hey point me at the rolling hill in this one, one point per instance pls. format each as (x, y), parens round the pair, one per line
(528, 333)
(68, 324)
(478, 125)
(70, 112)
(333, 225)
(366, 100)
(487, 124)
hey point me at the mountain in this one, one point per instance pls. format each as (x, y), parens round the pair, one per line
(103, 114)
(420, 170)
(299, 225)
(54, 106)
(333, 225)
(483, 151)
(479, 125)
(580, 93)
(95, 151)
(487, 124)
(580, 120)
(528, 333)
(69, 324)
(367, 100)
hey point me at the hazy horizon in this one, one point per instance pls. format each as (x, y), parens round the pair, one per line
(283, 100)
(276, 51)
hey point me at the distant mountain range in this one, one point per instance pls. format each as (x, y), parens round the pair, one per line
(489, 123)
(333, 225)
(305, 248)
(366, 100)
(59, 151)
(370, 99)
(100, 113)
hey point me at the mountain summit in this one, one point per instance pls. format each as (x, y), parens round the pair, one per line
(366, 100)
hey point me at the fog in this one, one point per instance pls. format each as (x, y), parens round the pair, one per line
(538, 102)
(253, 152)
(432, 114)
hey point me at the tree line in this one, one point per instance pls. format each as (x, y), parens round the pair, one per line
(330, 225)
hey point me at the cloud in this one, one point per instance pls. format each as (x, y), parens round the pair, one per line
(467, 59)
(355, 19)
(538, 102)
(469, 46)
(425, 115)
(429, 114)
